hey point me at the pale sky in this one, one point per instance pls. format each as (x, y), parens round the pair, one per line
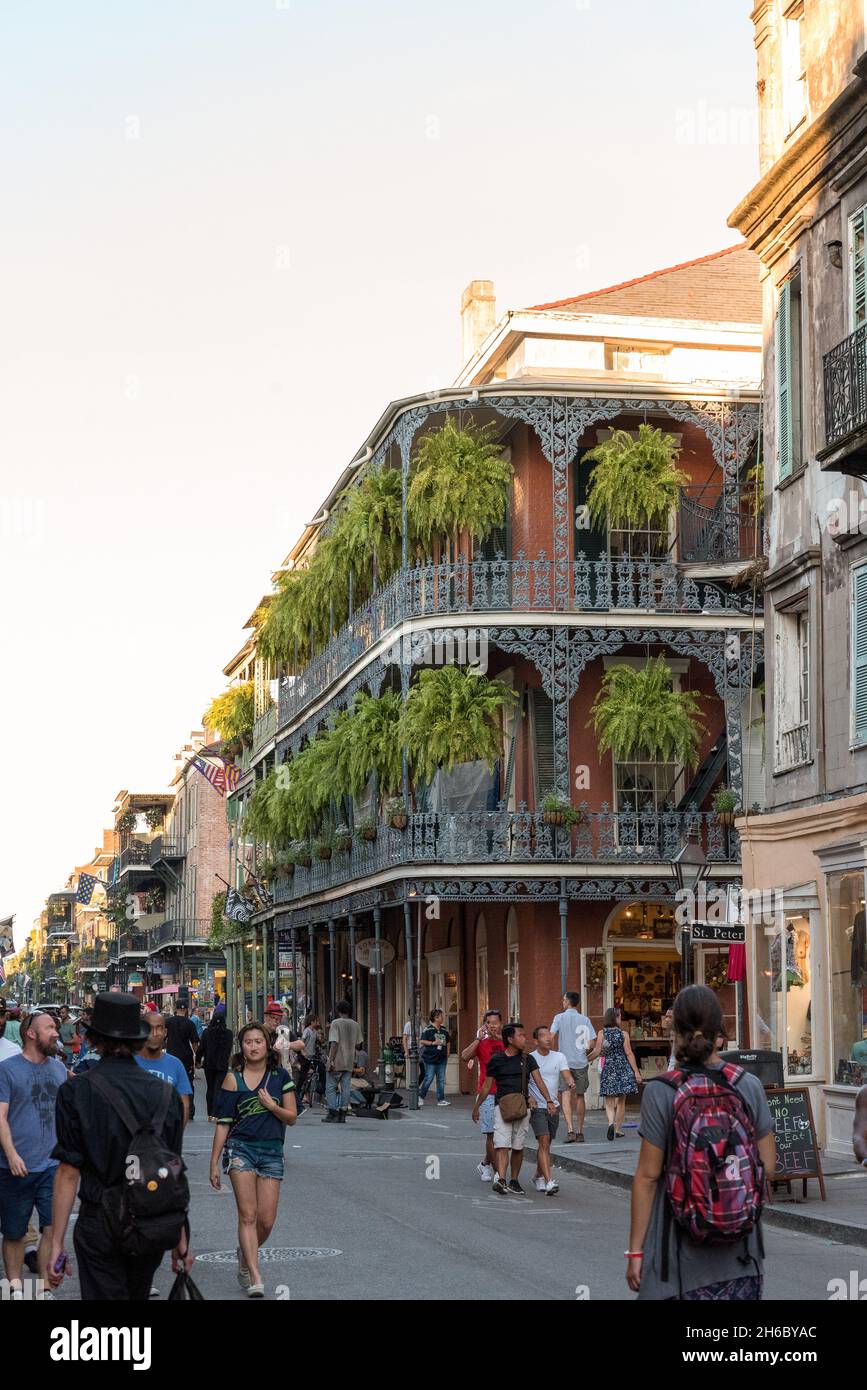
(232, 231)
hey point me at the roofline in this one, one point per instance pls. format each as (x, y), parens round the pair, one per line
(643, 279)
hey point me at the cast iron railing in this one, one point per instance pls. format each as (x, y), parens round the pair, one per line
(845, 373)
(167, 847)
(193, 930)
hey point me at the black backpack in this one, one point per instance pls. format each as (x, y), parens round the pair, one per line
(146, 1212)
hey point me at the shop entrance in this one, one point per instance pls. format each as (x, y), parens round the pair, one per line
(646, 976)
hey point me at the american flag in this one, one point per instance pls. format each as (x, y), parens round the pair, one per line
(222, 776)
(86, 884)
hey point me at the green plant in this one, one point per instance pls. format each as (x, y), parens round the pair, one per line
(299, 853)
(323, 846)
(560, 809)
(218, 903)
(155, 816)
(637, 714)
(374, 743)
(368, 527)
(342, 839)
(755, 478)
(635, 481)
(127, 823)
(725, 800)
(231, 713)
(453, 716)
(396, 812)
(366, 828)
(459, 481)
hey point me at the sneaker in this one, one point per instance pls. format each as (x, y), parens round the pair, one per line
(515, 1186)
(540, 1184)
(485, 1172)
(579, 1139)
(551, 1187)
(154, 1293)
(420, 1102)
(256, 1291)
(498, 1186)
(443, 1102)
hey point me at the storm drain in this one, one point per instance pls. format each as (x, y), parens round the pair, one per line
(271, 1254)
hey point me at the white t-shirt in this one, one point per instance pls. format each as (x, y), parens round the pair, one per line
(575, 1033)
(550, 1068)
(8, 1049)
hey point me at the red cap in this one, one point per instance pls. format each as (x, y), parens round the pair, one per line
(274, 1008)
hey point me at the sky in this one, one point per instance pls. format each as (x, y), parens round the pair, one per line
(232, 232)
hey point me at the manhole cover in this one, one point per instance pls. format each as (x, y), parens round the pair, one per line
(271, 1254)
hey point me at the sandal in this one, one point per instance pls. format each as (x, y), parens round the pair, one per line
(571, 1137)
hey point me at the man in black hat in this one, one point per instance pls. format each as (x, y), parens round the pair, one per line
(92, 1146)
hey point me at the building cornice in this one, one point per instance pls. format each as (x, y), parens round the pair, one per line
(829, 816)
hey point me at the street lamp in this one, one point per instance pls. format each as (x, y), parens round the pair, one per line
(689, 868)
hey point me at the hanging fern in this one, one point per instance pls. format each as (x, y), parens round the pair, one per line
(231, 713)
(368, 529)
(459, 481)
(374, 744)
(637, 714)
(635, 481)
(453, 716)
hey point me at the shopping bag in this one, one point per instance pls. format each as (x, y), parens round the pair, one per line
(184, 1288)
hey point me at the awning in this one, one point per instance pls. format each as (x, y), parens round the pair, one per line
(169, 989)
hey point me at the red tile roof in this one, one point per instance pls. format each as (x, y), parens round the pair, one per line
(722, 287)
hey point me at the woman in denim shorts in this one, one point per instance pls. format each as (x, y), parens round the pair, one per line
(255, 1104)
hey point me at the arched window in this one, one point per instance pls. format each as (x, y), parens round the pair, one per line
(482, 997)
(512, 986)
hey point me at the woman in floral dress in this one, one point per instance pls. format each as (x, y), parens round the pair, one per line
(620, 1074)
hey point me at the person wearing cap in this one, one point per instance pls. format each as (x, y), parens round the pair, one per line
(280, 1035)
(182, 1041)
(92, 1146)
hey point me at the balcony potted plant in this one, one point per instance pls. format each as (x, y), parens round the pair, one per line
(323, 846)
(725, 805)
(453, 716)
(342, 839)
(396, 813)
(638, 714)
(127, 823)
(558, 810)
(299, 854)
(459, 482)
(366, 828)
(155, 816)
(635, 481)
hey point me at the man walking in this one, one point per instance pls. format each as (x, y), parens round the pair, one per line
(344, 1035)
(554, 1071)
(435, 1055)
(511, 1070)
(67, 1034)
(96, 1113)
(8, 1047)
(29, 1085)
(158, 1062)
(182, 1041)
(572, 1033)
(484, 1047)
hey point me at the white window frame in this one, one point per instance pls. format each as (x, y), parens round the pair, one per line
(792, 68)
(859, 582)
(857, 224)
(793, 747)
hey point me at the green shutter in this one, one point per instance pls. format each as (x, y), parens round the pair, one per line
(859, 655)
(592, 541)
(858, 277)
(543, 742)
(783, 355)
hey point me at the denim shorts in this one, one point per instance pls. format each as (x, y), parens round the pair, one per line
(248, 1158)
(486, 1114)
(18, 1197)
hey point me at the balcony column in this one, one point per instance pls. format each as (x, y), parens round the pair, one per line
(254, 973)
(294, 978)
(412, 1079)
(564, 940)
(560, 693)
(311, 982)
(351, 920)
(332, 966)
(380, 1022)
(229, 954)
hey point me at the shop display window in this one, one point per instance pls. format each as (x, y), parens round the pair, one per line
(846, 894)
(784, 1003)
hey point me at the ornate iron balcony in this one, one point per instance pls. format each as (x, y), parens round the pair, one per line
(137, 853)
(167, 847)
(504, 586)
(793, 747)
(133, 943)
(517, 838)
(189, 931)
(845, 382)
(265, 727)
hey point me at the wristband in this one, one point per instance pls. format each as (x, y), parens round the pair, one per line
(634, 1254)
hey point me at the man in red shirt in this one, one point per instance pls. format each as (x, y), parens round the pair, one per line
(488, 1041)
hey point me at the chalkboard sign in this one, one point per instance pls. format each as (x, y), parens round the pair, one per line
(795, 1134)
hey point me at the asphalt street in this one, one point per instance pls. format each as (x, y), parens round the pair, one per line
(372, 1208)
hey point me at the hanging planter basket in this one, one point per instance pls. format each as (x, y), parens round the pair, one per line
(596, 972)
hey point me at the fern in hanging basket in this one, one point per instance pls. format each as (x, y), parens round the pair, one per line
(453, 716)
(342, 839)
(558, 810)
(637, 714)
(396, 813)
(635, 482)
(323, 847)
(459, 481)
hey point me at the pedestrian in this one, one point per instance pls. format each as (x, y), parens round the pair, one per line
(8, 1048)
(511, 1070)
(197, 1021)
(484, 1046)
(29, 1084)
(213, 1053)
(182, 1041)
(559, 1081)
(256, 1102)
(100, 1114)
(154, 1058)
(620, 1075)
(435, 1055)
(280, 1036)
(707, 1146)
(12, 1031)
(310, 1059)
(407, 1041)
(66, 1031)
(572, 1033)
(343, 1036)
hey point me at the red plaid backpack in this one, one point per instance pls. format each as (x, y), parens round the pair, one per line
(714, 1177)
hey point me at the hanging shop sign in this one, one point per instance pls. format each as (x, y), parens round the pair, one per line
(374, 955)
(729, 933)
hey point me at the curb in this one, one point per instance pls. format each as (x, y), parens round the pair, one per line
(772, 1215)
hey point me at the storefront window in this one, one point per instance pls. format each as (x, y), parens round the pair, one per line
(848, 978)
(784, 1002)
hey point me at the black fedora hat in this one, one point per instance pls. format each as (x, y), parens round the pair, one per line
(118, 1016)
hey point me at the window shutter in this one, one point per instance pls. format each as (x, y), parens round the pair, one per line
(543, 742)
(859, 655)
(857, 275)
(783, 355)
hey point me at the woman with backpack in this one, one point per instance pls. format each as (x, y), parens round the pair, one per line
(213, 1053)
(620, 1075)
(707, 1146)
(256, 1102)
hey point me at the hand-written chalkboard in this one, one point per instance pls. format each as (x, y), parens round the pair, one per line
(795, 1135)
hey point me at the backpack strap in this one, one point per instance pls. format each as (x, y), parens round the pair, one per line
(113, 1095)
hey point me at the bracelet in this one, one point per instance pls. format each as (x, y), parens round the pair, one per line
(634, 1254)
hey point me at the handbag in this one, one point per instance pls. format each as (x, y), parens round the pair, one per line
(184, 1289)
(514, 1107)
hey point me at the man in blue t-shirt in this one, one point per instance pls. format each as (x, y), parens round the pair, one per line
(572, 1033)
(154, 1058)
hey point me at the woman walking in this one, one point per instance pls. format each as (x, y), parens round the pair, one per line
(696, 1206)
(620, 1075)
(256, 1102)
(213, 1054)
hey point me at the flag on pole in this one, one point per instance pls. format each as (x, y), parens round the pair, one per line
(237, 909)
(7, 944)
(87, 883)
(213, 770)
(233, 776)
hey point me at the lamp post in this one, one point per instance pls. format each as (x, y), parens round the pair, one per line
(689, 868)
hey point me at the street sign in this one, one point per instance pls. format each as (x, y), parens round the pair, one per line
(727, 933)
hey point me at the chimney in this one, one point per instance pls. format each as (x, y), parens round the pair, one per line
(478, 316)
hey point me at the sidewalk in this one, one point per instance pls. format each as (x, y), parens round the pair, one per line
(843, 1217)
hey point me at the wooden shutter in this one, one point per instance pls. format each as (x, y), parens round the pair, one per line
(591, 540)
(783, 355)
(857, 269)
(543, 742)
(859, 655)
